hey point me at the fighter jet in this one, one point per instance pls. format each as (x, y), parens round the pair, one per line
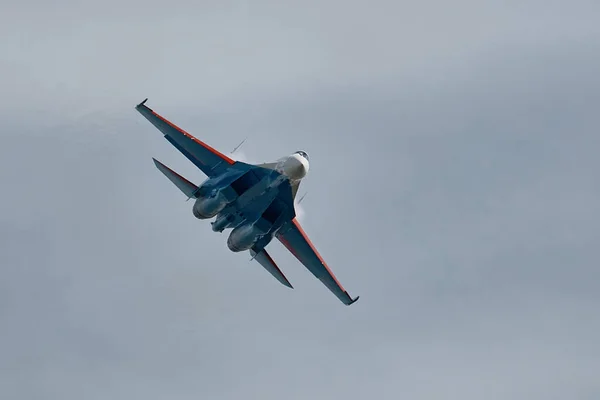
(256, 201)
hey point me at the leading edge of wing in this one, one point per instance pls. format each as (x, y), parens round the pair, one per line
(298, 243)
(158, 120)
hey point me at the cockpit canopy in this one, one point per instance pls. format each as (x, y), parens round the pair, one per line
(303, 154)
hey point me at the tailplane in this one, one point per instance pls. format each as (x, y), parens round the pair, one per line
(267, 262)
(187, 187)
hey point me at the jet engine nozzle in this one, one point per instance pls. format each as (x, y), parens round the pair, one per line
(209, 206)
(243, 237)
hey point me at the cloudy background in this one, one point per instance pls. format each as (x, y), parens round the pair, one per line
(453, 186)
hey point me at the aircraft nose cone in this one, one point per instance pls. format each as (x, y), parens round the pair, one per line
(296, 167)
(304, 165)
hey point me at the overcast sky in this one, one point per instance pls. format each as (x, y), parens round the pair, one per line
(453, 186)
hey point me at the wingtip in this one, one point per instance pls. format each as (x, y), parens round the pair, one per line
(142, 103)
(352, 301)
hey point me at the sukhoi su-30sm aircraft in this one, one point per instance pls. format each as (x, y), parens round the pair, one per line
(255, 201)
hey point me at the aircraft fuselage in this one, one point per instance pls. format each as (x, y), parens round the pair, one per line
(255, 205)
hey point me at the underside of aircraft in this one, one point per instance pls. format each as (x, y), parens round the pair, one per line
(255, 201)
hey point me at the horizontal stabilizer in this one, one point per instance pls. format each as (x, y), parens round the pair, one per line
(267, 262)
(187, 187)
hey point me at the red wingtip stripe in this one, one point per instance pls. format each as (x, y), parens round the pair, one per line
(295, 222)
(201, 143)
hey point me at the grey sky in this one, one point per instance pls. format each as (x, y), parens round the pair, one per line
(453, 186)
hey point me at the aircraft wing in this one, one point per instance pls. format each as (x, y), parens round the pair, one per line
(209, 160)
(293, 237)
